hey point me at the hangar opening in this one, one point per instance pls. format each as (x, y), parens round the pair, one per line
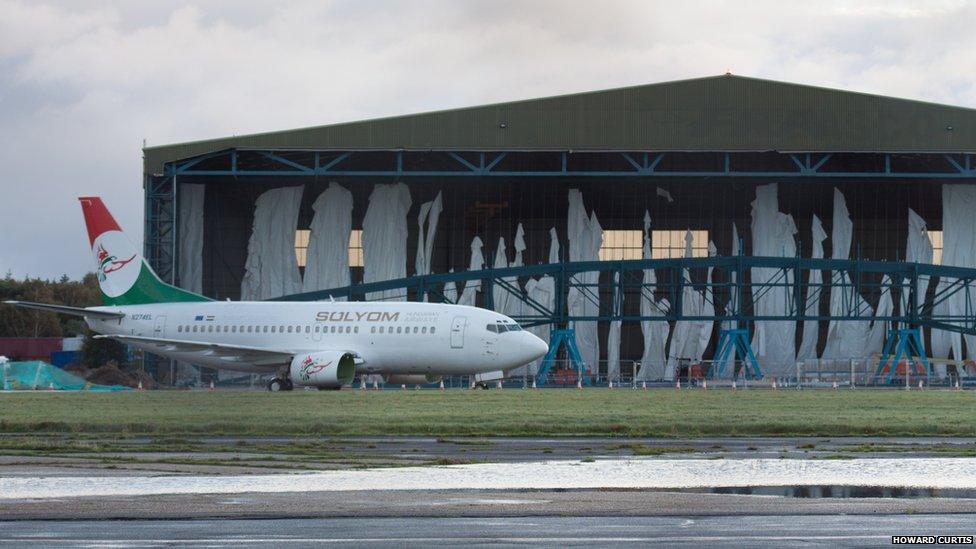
(722, 166)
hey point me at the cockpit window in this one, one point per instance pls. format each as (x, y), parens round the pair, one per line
(498, 328)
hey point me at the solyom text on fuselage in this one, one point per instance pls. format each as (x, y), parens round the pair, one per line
(351, 316)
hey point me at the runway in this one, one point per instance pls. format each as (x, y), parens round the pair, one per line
(738, 531)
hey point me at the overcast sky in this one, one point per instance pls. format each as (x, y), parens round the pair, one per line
(83, 83)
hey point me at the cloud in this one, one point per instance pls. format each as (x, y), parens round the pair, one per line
(81, 84)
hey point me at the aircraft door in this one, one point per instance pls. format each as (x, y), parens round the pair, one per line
(159, 328)
(457, 332)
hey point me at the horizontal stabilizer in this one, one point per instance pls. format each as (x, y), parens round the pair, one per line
(65, 310)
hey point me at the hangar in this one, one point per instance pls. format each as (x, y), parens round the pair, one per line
(691, 174)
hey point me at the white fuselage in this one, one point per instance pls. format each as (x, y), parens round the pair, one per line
(389, 338)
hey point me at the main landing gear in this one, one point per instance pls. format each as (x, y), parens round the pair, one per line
(280, 384)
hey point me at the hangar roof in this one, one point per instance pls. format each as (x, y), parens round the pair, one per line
(719, 113)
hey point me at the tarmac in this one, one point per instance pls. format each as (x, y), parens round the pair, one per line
(562, 516)
(725, 531)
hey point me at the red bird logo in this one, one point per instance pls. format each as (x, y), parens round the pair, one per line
(309, 367)
(108, 263)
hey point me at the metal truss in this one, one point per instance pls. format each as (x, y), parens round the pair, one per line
(284, 163)
(161, 243)
(923, 295)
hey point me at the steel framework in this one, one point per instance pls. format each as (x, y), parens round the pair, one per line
(161, 190)
(920, 292)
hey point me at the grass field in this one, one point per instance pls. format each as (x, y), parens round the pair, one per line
(594, 412)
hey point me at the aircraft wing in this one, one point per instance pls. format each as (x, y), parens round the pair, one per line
(231, 354)
(64, 309)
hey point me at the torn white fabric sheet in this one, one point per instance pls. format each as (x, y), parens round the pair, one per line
(271, 269)
(655, 332)
(500, 295)
(613, 336)
(585, 238)
(191, 198)
(706, 327)
(879, 328)
(684, 338)
(469, 295)
(959, 250)
(515, 306)
(811, 328)
(327, 264)
(426, 232)
(846, 339)
(385, 238)
(773, 235)
(543, 292)
(919, 249)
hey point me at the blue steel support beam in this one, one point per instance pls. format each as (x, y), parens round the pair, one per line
(807, 164)
(904, 276)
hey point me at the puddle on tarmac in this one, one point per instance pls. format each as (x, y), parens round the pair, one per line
(836, 491)
(923, 477)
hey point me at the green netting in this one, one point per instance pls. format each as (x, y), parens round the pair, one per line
(41, 375)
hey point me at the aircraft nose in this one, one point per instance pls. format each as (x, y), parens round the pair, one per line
(535, 347)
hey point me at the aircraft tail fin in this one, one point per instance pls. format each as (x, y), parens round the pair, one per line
(123, 274)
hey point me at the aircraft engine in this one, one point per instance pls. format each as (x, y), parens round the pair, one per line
(411, 379)
(325, 369)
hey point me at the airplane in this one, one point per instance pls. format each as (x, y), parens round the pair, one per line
(321, 344)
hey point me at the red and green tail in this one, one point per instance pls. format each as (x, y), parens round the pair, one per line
(123, 274)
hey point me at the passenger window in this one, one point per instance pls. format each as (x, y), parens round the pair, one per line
(399, 329)
(372, 329)
(356, 329)
(289, 329)
(431, 330)
(348, 329)
(308, 328)
(179, 328)
(390, 329)
(233, 329)
(317, 328)
(381, 329)
(423, 330)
